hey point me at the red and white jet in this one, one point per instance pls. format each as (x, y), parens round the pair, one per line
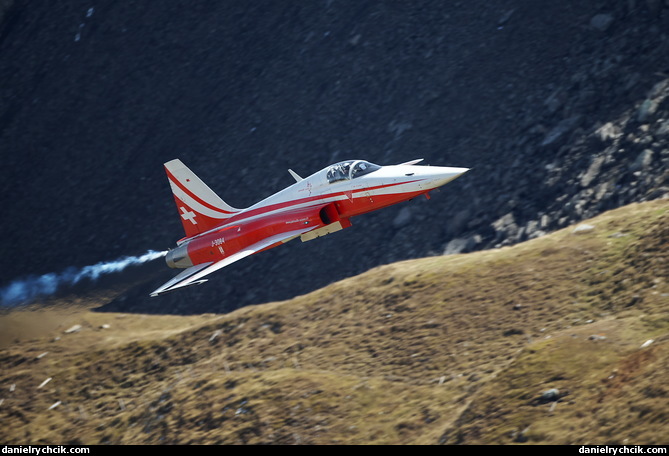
(218, 235)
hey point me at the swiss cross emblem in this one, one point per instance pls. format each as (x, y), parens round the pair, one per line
(188, 215)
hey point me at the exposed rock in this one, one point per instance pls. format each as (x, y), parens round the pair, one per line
(403, 217)
(608, 131)
(355, 40)
(215, 335)
(545, 221)
(647, 343)
(54, 405)
(459, 221)
(601, 21)
(662, 128)
(520, 437)
(646, 110)
(461, 245)
(583, 228)
(73, 329)
(643, 160)
(552, 394)
(532, 230)
(560, 129)
(592, 171)
(660, 192)
(505, 17)
(660, 90)
(505, 225)
(555, 100)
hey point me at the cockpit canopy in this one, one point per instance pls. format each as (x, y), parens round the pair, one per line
(350, 169)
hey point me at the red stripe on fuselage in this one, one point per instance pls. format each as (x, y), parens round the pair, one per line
(241, 217)
(364, 205)
(287, 204)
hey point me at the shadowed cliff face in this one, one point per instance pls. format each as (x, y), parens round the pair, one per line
(559, 107)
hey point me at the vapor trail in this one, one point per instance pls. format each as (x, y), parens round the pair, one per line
(26, 289)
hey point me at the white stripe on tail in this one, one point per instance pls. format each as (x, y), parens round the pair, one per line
(199, 207)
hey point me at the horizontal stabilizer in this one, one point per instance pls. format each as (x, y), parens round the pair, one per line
(180, 278)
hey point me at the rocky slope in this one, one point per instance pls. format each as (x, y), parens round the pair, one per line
(560, 108)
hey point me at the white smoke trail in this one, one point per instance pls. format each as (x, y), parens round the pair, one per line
(26, 289)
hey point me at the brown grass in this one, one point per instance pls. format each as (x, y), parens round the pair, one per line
(453, 349)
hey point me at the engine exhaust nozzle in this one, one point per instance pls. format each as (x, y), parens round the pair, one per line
(178, 258)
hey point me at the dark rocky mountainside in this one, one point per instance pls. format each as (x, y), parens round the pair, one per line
(560, 108)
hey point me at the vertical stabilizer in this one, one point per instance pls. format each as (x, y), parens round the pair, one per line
(200, 209)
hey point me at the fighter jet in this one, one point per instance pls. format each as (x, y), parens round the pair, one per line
(217, 234)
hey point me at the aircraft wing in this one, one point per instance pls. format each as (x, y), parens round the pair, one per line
(194, 275)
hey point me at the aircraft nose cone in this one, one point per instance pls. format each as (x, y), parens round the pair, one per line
(440, 175)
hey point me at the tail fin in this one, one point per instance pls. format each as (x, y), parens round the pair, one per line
(199, 207)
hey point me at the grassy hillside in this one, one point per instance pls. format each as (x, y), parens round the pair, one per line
(453, 349)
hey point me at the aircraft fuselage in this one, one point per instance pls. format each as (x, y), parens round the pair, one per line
(319, 204)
